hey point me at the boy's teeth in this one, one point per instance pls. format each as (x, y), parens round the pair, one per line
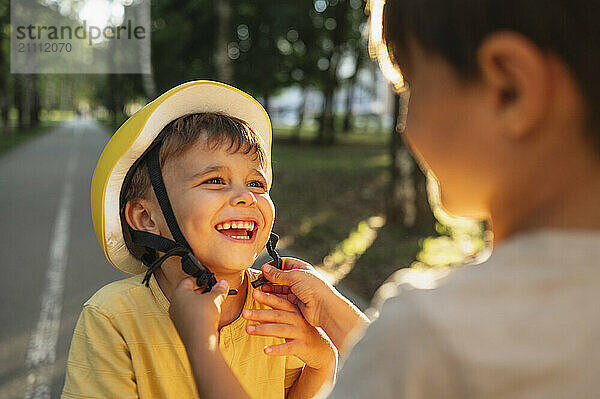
(236, 225)
(241, 237)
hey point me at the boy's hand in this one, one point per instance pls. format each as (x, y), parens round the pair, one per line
(196, 315)
(285, 320)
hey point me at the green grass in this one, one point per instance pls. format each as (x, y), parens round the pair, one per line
(322, 193)
(13, 136)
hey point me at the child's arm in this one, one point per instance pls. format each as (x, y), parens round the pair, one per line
(99, 365)
(196, 318)
(304, 341)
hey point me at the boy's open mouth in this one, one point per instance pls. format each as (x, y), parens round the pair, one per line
(243, 230)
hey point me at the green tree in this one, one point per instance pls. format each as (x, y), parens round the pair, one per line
(183, 41)
(263, 54)
(340, 35)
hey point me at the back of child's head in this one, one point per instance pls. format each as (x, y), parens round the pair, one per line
(211, 131)
(454, 30)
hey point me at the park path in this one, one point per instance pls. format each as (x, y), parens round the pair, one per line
(51, 262)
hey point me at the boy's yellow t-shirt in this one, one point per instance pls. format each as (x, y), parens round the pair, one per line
(125, 346)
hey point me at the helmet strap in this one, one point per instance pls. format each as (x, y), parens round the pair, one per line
(177, 247)
(277, 261)
(158, 184)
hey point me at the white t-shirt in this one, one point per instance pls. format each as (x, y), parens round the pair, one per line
(524, 324)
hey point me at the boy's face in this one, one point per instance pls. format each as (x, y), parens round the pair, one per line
(213, 191)
(448, 131)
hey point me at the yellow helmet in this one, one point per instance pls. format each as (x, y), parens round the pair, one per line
(134, 139)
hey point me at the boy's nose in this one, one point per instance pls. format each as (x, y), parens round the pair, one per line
(243, 197)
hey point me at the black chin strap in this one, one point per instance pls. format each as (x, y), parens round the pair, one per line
(277, 261)
(177, 247)
(189, 263)
(160, 191)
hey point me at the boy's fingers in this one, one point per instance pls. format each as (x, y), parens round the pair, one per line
(279, 330)
(274, 301)
(270, 315)
(219, 291)
(187, 284)
(281, 349)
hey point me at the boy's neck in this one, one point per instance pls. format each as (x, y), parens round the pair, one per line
(564, 198)
(232, 307)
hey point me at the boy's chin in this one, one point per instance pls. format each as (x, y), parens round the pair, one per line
(229, 266)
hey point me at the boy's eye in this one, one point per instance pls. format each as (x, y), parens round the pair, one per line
(257, 184)
(214, 180)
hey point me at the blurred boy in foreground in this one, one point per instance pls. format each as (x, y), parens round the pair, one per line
(504, 110)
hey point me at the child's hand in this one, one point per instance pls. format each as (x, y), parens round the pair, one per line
(285, 320)
(196, 315)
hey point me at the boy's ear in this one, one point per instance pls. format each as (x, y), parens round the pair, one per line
(517, 74)
(138, 214)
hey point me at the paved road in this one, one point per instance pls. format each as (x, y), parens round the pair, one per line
(50, 259)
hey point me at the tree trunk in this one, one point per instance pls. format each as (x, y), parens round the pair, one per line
(222, 60)
(396, 212)
(148, 81)
(326, 135)
(5, 106)
(3, 88)
(347, 126)
(407, 203)
(20, 101)
(115, 101)
(301, 112)
(267, 101)
(34, 101)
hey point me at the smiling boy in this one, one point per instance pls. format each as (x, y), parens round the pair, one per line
(182, 189)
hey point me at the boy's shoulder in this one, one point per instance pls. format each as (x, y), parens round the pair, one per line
(120, 295)
(521, 277)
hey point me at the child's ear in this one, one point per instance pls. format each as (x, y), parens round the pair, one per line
(138, 214)
(517, 77)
